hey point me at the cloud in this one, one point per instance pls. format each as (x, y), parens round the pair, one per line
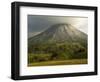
(38, 23)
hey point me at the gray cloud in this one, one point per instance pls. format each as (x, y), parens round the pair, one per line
(38, 23)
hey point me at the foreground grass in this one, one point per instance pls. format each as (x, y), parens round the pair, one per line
(60, 62)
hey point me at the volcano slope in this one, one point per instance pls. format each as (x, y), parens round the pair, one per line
(60, 42)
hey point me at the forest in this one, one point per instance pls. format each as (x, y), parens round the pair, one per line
(56, 52)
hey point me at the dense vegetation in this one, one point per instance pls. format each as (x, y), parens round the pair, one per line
(56, 51)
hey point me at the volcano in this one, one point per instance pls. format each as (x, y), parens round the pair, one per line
(59, 33)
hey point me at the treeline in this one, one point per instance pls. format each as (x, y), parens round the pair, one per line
(62, 51)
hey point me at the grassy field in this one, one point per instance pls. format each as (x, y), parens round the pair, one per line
(62, 62)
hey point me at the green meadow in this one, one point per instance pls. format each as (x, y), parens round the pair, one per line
(60, 62)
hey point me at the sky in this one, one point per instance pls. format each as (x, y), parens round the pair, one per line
(39, 23)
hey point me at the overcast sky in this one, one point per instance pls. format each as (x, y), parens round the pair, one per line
(39, 23)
